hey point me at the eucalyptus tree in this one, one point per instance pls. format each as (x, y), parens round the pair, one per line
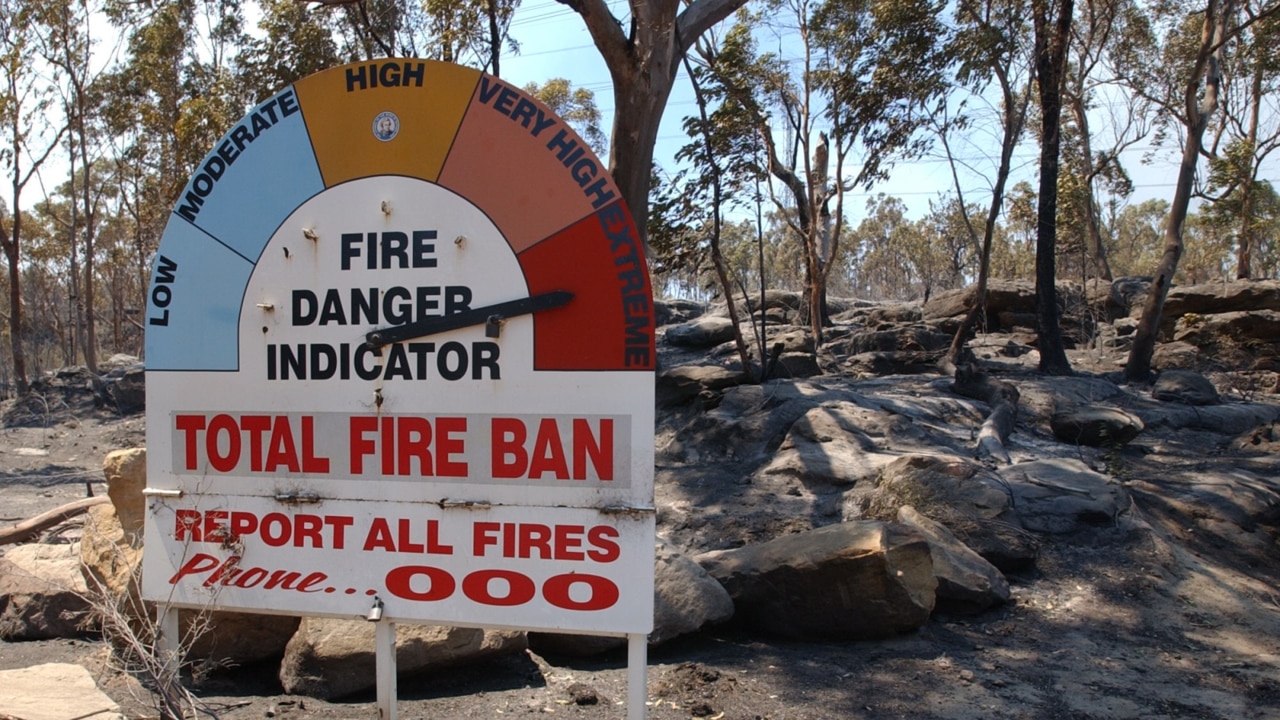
(642, 50)
(576, 105)
(992, 43)
(291, 44)
(26, 142)
(863, 87)
(1244, 134)
(67, 46)
(1186, 84)
(1051, 21)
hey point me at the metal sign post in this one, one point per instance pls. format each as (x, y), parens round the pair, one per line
(400, 363)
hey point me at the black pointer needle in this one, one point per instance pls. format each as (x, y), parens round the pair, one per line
(475, 316)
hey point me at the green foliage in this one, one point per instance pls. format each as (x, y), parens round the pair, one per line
(576, 105)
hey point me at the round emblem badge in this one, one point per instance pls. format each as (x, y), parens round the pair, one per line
(386, 126)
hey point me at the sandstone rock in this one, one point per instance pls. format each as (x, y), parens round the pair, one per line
(967, 584)
(330, 658)
(54, 691)
(960, 494)
(684, 383)
(675, 310)
(1002, 296)
(685, 598)
(899, 314)
(1185, 386)
(111, 554)
(1063, 495)
(916, 339)
(42, 594)
(1213, 298)
(702, 332)
(855, 580)
(126, 473)
(1096, 426)
(797, 365)
(898, 362)
(1174, 355)
(1222, 332)
(828, 447)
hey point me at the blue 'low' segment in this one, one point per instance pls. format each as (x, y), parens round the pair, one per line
(193, 305)
(256, 175)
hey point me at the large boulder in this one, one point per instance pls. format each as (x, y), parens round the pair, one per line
(959, 493)
(54, 691)
(42, 593)
(110, 558)
(1063, 495)
(330, 658)
(685, 598)
(827, 446)
(1224, 333)
(857, 580)
(1186, 387)
(1096, 426)
(1213, 298)
(702, 332)
(682, 384)
(967, 584)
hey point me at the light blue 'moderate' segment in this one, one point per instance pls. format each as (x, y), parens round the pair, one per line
(193, 305)
(256, 175)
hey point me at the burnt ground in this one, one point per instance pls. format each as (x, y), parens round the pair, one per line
(1171, 616)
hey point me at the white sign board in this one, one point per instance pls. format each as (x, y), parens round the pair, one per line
(400, 346)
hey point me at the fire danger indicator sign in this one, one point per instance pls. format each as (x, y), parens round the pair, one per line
(400, 346)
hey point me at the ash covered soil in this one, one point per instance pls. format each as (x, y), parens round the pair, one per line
(1169, 612)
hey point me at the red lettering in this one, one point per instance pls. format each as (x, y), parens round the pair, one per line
(548, 454)
(601, 537)
(222, 425)
(520, 589)
(604, 593)
(187, 522)
(360, 446)
(379, 537)
(339, 523)
(311, 463)
(400, 583)
(600, 451)
(190, 425)
(509, 456)
(255, 425)
(568, 542)
(413, 438)
(199, 563)
(282, 451)
(534, 536)
(449, 445)
(280, 534)
(483, 534)
(308, 527)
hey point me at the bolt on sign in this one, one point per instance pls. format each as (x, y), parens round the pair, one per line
(400, 350)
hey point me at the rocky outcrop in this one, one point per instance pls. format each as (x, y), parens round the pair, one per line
(685, 599)
(700, 333)
(1064, 495)
(967, 583)
(855, 580)
(42, 594)
(110, 557)
(1186, 387)
(1096, 426)
(329, 658)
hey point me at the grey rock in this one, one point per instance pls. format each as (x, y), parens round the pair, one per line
(329, 658)
(685, 599)
(1063, 495)
(42, 593)
(855, 580)
(1185, 386)
(682, 384)
(967, 583)
(702, 332)
(1096, 426)
(797, 365)
(827, 446)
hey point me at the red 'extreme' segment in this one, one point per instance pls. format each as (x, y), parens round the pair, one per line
(612, 298)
